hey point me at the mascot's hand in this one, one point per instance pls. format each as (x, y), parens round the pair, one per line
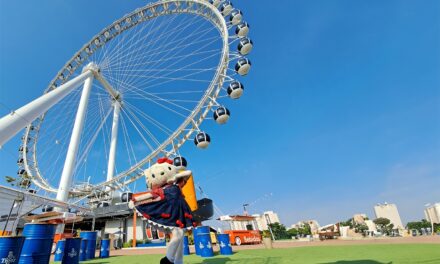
(131, 204)
(181, 175)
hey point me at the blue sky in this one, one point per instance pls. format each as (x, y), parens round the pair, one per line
(341, 108)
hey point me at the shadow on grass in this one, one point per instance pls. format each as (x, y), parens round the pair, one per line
(268, 260)
(361, 261)
(100, 262)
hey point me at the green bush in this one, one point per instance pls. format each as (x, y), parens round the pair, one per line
(126, 245)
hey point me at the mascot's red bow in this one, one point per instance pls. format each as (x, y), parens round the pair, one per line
(165, 159)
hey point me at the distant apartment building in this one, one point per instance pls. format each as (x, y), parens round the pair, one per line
(389, 211)
(362, 219)
(359, 218)
(432, 213)
(268, 217)
(314, 225)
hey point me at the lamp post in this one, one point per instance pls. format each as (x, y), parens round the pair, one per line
(244, 209)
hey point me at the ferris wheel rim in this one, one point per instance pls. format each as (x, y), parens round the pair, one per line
(200, 111)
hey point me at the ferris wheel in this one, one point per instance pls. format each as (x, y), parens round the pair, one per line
(138, 90)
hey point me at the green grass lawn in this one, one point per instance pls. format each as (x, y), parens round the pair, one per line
(356, 254)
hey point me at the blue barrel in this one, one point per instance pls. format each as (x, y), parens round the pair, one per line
(91, 244)
(10, 249)
(205, 245)
(71, 251)
(225, 244)
(197, 230)
(105, 248)
(83, 250)
(59, 251)
(37, 244)
(185, 246)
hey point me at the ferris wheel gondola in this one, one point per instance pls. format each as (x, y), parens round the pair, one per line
(236, 17)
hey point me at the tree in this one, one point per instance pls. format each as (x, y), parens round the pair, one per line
(360, 228)
(437, 228)
(293, 232)
(418, 225)
(382, 221)
(348, 223)
(279, 231)
(384, 225)
(305, 230)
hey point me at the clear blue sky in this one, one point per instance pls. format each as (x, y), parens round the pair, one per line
(341, 108)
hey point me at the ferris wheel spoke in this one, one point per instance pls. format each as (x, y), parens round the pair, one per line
(153, 121)
(172, 69)
(141, 124)
(169, 65)
(172, 78)
(147, 81)
(153, 41)
(164, 99)
(118, 52)
(148, 96)
(89, 145)
(179, 92)
(156, 63)
(151, 97)
(166, 59)
(137, 130)
(123, 58)
(174, 46)
(189, 55)
(128, 144)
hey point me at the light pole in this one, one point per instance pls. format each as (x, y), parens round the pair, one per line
(244, 209)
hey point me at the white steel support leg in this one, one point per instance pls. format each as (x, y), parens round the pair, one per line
(113, 141)
(12, 123)
(69, 164)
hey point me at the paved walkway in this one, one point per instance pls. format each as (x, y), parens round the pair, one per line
(294, 243)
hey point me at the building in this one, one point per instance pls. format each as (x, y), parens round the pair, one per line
(432, 213)
(240, 222)
(389, 211)
(362, 219)
(254, 222)
(268, 217)
(359, 218)
(314, 226)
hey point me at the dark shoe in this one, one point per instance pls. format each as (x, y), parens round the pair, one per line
(165, 260)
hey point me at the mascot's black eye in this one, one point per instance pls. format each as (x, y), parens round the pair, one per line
(152, 175)
(169, 168)
(162, 173)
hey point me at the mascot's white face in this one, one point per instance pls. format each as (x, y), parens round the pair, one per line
(159, 174)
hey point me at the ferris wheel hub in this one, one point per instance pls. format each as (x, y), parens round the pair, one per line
(92, 67)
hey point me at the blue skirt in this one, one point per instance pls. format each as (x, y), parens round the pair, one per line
(172, 211)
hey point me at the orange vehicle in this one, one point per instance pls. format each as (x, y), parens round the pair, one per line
(239, 237)
(243, 229)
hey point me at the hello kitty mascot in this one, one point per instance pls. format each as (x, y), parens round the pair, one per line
(165, 206)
